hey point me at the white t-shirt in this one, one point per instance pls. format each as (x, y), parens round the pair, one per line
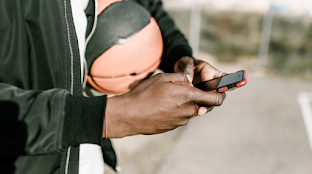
(90, 155)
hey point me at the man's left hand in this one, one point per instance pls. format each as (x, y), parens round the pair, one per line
(197, 71)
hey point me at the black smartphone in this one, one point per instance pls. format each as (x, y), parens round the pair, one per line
(224, 83)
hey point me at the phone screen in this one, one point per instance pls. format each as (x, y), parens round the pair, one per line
(221, 81)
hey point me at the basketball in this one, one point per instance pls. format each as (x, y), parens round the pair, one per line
(125, 47)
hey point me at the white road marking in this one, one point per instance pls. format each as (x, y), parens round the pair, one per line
(304, 102)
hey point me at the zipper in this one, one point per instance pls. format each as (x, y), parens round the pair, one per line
(85, 60)
(72, 66)
(71, 52)
(71, 74)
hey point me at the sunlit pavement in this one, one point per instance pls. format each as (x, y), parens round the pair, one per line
(259, 129)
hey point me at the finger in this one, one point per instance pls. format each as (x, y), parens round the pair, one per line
(206, 98)
(224, 74)
(177, 78)
(189, 71)
(219, 74)
(185, 65)
(203, 110)
(203, 71)
(189, 78)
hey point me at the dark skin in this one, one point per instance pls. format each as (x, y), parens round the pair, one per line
(197, 71)
(162, 102)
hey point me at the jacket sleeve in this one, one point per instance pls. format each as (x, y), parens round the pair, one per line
(175, 44)
(41, 122)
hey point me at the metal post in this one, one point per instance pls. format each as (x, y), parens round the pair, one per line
(265, 38)
(194, 28)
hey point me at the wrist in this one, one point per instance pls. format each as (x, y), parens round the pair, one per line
(115, 121)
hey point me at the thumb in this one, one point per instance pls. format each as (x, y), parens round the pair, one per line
(189, 72)
(185, 65)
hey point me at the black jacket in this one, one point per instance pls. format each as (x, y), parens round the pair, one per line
(43, 115)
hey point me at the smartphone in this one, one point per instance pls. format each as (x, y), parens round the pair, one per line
(224, 83)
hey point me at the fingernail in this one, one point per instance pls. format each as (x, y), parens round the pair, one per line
(202, 111)
(189, 79)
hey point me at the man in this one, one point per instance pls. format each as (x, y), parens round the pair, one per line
(45, 119)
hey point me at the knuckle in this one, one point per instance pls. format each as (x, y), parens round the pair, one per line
(179, 75)
(182, 76)
(189, 96)
(219, 101)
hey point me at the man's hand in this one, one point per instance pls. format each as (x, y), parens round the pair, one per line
(197, 71)
(158, 104)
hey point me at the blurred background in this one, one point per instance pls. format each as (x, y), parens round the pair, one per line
(264, 127)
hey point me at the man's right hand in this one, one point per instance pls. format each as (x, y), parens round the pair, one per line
(158, 104)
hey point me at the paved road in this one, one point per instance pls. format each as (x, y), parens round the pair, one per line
(258, 130)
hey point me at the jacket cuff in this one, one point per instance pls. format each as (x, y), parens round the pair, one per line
(83, 122)
(171, 58)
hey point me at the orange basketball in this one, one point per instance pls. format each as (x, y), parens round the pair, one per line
(125, 48)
